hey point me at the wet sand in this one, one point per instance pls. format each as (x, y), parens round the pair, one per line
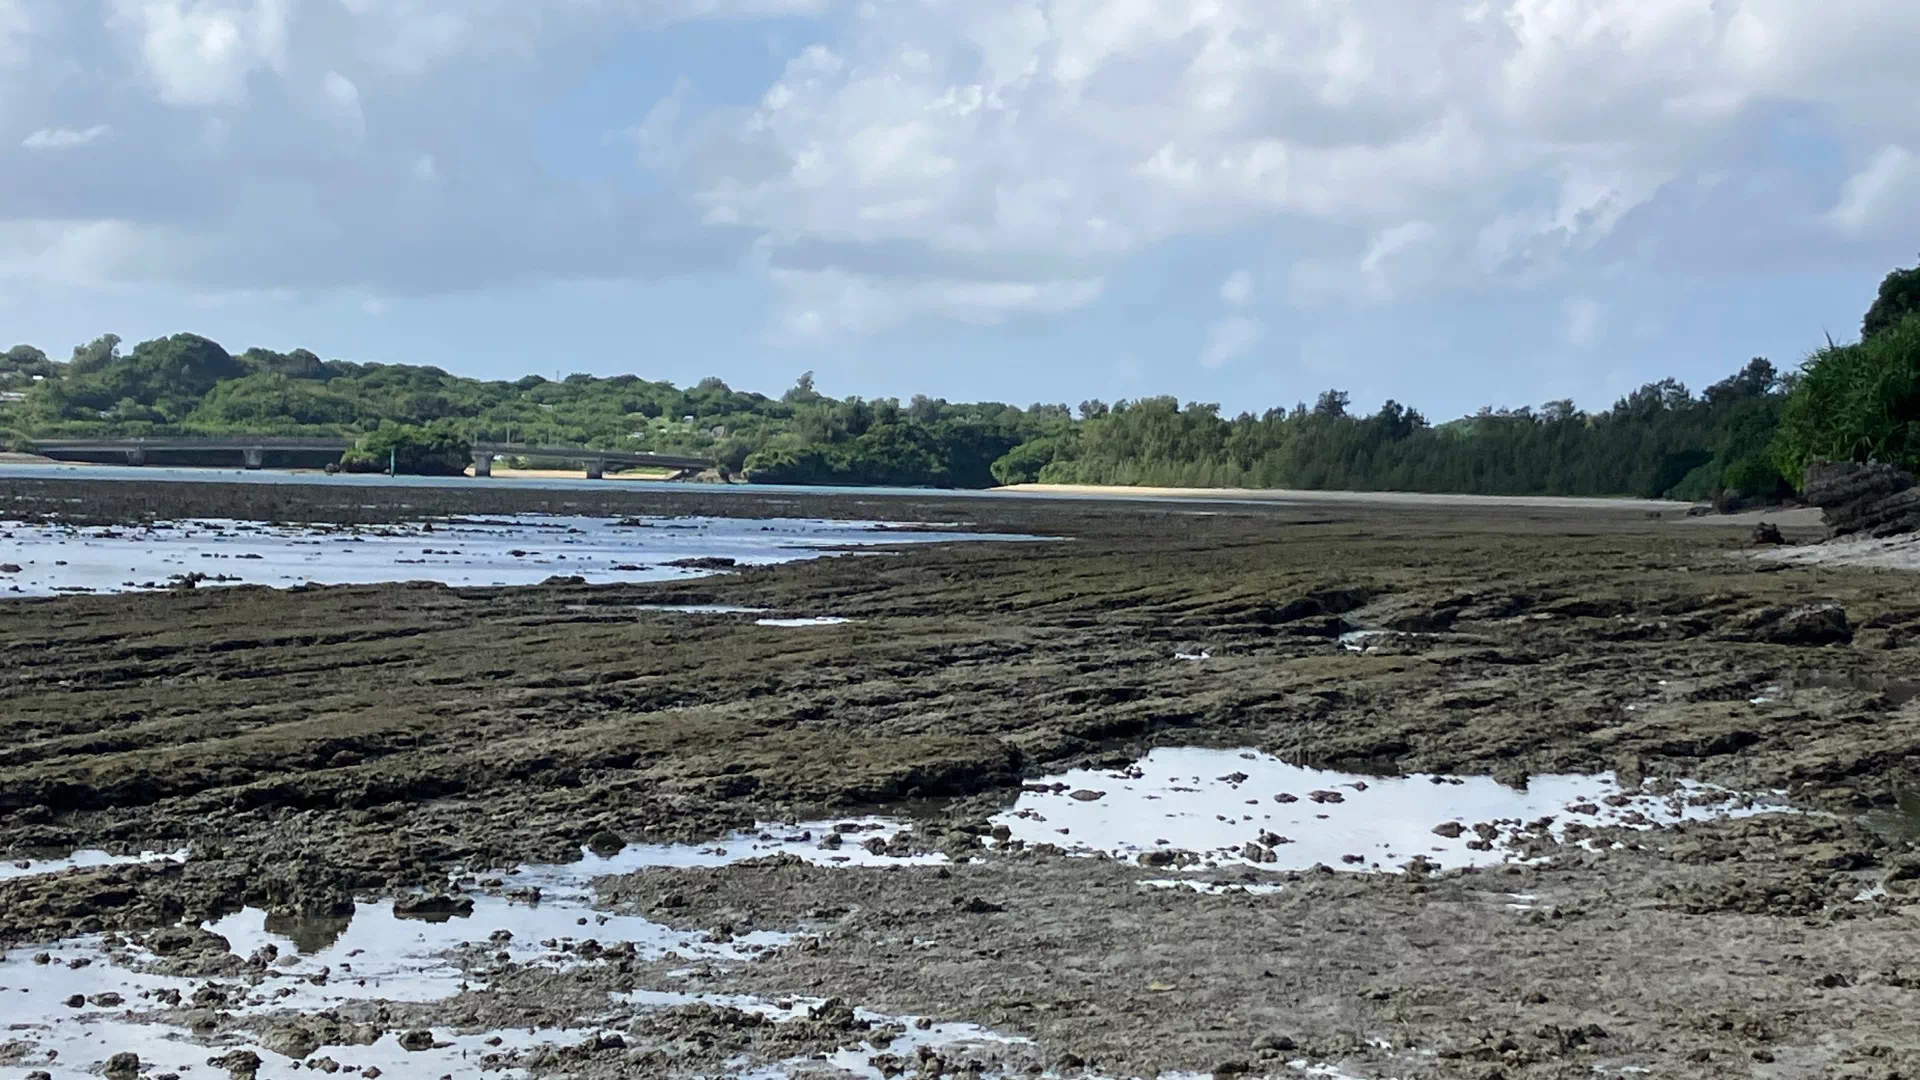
(332, 745)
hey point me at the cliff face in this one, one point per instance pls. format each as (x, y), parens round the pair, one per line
(1877, 500)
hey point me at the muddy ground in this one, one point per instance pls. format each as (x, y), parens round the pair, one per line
(321, 745)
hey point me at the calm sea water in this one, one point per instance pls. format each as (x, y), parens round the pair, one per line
(1394, 499)
(43, 560)
(163, 473)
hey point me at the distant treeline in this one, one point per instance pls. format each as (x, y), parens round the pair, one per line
(1750, 435)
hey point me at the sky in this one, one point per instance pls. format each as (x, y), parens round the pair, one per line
(1447, 202)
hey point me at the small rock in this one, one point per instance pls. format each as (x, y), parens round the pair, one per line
(1767, 534)
(123, 1065)
(296, 1043)
(107, 1000)
(976, 906)
(606, 843)
(417, 1040)
(435, 904)
(77, 1001)
(1284, 798)
(1279, 1043)
(1449, 829)
(1083, 795)
(239, 1064)
(1326, 796)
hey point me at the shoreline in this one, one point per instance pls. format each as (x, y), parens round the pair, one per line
(1450, 500)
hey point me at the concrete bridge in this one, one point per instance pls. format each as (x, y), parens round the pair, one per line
(249, 451)
(253, 452)
(596, 460)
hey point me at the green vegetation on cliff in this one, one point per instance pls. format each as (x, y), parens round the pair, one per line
(1748, 436)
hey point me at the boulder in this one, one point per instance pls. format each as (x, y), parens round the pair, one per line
(416, 1041)
(1874, 498)
(1810, 625)
(239, 1064)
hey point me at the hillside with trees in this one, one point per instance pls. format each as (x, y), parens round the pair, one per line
(1749, 436)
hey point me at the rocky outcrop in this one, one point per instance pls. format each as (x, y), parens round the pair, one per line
(1811, 625)
(1875, 499)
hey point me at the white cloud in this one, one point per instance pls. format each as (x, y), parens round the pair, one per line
(1230, 339)
(975, 162)
(326, 144)
(1889, 182)
(830, 304)
(1397, 258)
(200, 52)
(64, 138)
(342, 99)
(1517, 139)
(1238, 288)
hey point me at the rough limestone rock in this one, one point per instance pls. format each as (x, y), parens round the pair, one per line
(1812, 625)
(1875, 499)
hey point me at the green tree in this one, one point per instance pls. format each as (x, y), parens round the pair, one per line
(433, 451)
(1899, 297)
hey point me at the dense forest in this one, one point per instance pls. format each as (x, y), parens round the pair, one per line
(1749, 436)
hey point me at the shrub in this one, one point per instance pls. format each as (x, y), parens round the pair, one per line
(1855, 403)
(430, 451)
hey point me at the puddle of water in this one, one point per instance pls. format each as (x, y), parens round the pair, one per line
(840, 843)
(1240, 807)
(517, 550)
(1215, 888)
(81, 1051)
(306, 965)
(377, 954)
(1361, 640)
(1193, 657)
(19, 868)
(818, 620)
(79, 999)
(867, 1061)
(1369, 641)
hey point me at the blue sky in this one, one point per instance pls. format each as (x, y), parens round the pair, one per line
(1447, 203)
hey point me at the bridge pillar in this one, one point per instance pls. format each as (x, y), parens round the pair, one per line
(482, 463)
(596, 468)
(255, 457)
(137, 456)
